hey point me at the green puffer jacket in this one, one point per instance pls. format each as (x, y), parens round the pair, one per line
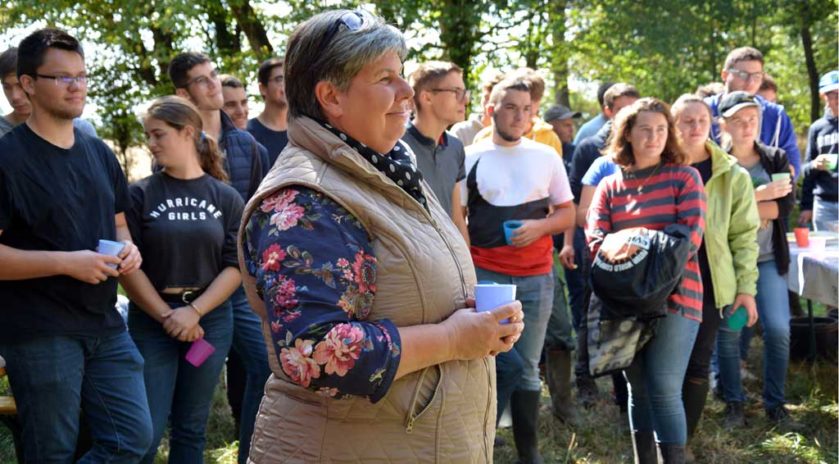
(731, 224)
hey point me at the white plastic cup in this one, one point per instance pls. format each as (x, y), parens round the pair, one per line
(492, 295)
(110, 248)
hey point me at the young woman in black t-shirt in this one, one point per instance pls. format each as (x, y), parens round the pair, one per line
(184, 219)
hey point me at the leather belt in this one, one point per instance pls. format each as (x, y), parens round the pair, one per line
(185, 297)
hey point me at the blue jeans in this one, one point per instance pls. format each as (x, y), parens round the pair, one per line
(576, 279)
(508, 369)
(825, 215)
(249, 344)
(57, 378)
(773, 312)
(177, 391)
(558, 334)
(536, 296)
(655, 380)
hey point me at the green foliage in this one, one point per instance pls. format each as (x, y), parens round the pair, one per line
(664, 48)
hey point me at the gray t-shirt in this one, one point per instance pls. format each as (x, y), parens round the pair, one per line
(441, 164)
(764, 233)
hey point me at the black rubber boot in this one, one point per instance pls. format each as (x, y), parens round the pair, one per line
(694, 394)
(558, 376)
(524, 406)
(587, 391)
(643, 444)
(734, 416)
(621, 392)
(672, 454)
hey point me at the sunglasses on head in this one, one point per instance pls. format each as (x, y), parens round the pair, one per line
(352, 20)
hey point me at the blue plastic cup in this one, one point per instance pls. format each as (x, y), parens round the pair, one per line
(489, 296)
(509, 227)
(110, 248)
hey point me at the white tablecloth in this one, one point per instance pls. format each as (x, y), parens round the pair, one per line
(815, 274)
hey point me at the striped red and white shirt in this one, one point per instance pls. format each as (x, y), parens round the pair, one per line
(654, 198)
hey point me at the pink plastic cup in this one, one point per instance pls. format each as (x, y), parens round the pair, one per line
(199, 352)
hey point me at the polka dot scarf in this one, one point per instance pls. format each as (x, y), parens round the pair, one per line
(396, 165)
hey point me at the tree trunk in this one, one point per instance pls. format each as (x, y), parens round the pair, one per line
(459, 23)
(226, 42)
(252, 27)
(812, 72)
(560, 50)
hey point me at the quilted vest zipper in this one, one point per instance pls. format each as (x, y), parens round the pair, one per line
(409, 424)
(486, 415)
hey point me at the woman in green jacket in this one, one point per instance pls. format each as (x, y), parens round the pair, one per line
(728, 256)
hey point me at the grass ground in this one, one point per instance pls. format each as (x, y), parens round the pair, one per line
(602, 435)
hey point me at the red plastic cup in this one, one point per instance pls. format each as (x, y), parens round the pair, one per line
(199, 352)
(802, 237)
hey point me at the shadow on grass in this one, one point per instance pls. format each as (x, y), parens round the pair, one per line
(602, 435)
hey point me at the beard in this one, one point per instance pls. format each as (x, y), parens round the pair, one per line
(505, 135)
(63, 113)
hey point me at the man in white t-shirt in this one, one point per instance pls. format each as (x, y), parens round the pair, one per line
(510, 178)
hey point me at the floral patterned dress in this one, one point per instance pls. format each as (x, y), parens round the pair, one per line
(316, 274)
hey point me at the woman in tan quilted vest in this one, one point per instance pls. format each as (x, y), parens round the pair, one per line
(360, 277)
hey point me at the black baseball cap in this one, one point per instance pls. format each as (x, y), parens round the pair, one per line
(735, 101)
(560, 112)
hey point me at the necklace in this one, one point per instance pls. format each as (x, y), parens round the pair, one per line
(640, 188)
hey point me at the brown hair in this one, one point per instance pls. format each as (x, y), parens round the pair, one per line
(429, 74)
(510, 83)
(534, 80)
(768, 83)
(178, 112)
(230, 82)
(742, 54)
(710, 89)
(619, 90)
(686, 99)
(492, 81)
(621, 150)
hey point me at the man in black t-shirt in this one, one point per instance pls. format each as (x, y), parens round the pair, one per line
(66, 348)
(271, 126)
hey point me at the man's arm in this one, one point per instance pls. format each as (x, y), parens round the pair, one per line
(130, 255)
(85, 265)
(789, 143)
(458, 213)
(562, 218)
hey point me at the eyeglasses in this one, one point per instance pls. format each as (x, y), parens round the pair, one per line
(203, 80)
(459, 94)
(747, 76)
(353, 20)
(65, 81)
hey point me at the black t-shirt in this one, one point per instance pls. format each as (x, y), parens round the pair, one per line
(273, 141)
(705, 169)
(185, 229)
(58, 199)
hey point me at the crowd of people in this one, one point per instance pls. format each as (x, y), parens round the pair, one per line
(328, 251)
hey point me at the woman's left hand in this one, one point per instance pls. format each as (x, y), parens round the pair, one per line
(748, 302)
(181, 322)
